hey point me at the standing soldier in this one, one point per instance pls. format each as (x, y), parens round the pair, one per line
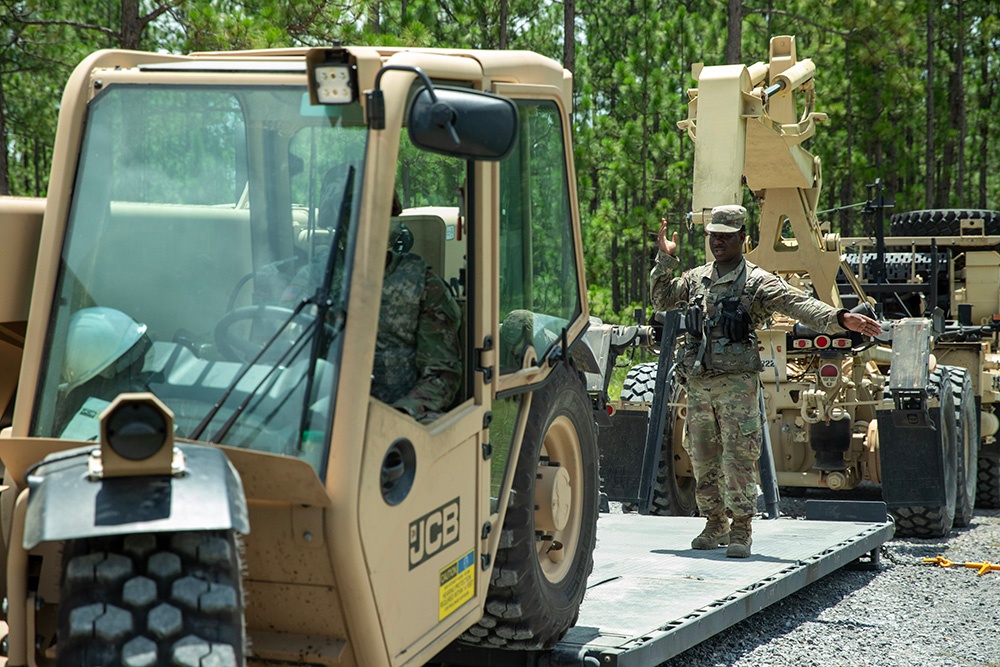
(727, 300)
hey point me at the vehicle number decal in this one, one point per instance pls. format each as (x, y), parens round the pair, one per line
(458, 585)
(433, 532)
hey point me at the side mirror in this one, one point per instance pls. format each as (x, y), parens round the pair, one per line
(463, 123)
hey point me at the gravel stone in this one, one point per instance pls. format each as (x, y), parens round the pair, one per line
(907, 614)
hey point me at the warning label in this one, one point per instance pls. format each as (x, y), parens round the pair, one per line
(457, 585)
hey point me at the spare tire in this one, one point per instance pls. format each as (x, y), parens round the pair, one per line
(941, 222)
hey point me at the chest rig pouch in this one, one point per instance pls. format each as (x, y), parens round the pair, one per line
(722, 338)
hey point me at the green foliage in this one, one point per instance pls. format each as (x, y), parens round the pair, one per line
(932, 140)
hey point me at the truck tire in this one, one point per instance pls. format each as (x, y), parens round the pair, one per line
(940, 222)
(988, 488)
(152, 599)
(967, 432)
(541, 568)
(673, 495)
(934, 521)
(640, 383)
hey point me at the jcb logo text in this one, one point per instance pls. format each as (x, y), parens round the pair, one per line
(433, 532)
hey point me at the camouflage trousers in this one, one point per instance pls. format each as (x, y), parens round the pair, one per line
(724, 441)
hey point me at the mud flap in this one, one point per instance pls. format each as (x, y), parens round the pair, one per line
(65, 503)
(913, 472)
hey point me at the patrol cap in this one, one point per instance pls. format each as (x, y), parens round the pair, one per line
(727, 219)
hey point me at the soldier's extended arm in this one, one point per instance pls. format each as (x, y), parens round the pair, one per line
(776, 296)
(438, 353)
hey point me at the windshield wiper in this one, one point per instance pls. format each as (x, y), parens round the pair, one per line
(323, 301)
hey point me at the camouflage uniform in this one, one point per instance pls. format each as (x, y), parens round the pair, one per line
(721, 376)
(417, 365)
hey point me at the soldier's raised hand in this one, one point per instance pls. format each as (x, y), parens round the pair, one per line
(669, 247)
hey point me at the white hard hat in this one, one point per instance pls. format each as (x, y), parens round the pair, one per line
(96, 339)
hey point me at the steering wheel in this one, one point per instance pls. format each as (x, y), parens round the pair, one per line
(234, 347)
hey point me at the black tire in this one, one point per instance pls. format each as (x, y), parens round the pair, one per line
(640, 383)
(988, 488)
(940, 222)
(162, 599)
(936, 521)
(541, 571)
(673, 495)
(967, 432)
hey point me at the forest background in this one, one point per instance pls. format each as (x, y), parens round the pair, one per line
(910, 87)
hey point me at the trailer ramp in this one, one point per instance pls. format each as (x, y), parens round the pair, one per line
(652, 597)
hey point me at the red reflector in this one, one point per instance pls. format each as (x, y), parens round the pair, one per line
(829, 371)
(802, 343)
(841, 342)
(610, 408)
(822, 342)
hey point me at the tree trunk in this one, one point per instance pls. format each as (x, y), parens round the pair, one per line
(504, 12)
(847, 184)
(374, 17)
(4, 141)
(986, 92)
(929, 155)
(616, 294)
(959, 103)
(734, 33)
(569, 35)
(130, 36)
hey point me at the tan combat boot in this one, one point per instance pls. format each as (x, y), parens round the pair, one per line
(716, 533)
(740, 538)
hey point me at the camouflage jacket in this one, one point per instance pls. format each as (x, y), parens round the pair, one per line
(417, 365)
(763, 294)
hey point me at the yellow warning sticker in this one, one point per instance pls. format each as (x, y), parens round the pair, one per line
(458, 585)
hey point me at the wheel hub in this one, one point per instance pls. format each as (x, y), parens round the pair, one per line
(553, 498)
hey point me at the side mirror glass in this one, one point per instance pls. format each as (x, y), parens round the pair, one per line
(463, 123)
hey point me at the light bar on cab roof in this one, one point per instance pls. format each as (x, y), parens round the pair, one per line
(332, 79)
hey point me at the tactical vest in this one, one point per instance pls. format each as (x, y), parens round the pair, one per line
(714, 354)
(395, 370)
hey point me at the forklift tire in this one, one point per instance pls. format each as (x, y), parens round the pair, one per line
(672, 495)
(541, 570)
(152, 599)
(967, 430)
(934, 521)
(941, 222)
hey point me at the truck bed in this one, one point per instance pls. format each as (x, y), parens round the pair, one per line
(651, 596)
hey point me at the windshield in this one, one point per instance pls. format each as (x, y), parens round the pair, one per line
(201, 225)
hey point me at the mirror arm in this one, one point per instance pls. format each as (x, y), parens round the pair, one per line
(376, 100)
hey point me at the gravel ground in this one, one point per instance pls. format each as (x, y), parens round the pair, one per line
(906, 614)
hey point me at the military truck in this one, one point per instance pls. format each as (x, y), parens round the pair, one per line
(840, 411)
(947, 260)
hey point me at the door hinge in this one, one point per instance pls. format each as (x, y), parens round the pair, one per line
(487, 371)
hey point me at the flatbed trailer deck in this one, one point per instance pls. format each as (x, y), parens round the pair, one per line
(652, 597)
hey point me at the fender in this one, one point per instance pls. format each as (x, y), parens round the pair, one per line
(65, 503)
